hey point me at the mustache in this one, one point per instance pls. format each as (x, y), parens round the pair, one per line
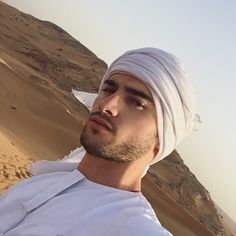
(105, 117)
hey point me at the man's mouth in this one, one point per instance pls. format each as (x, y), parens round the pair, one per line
(99, 122)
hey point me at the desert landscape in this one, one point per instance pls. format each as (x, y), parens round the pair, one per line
(40, 64)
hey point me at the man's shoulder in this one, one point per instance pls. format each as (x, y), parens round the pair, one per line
(140, 219)
(142, 225)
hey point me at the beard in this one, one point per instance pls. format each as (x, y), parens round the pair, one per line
(130, 149)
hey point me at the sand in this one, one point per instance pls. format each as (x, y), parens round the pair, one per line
(31, 114)
(15, 158)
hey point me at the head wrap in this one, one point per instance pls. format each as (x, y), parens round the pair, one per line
(171, 90)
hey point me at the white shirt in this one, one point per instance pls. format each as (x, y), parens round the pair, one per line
(66, 203)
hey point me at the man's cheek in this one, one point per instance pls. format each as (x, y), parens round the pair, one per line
(95, 106)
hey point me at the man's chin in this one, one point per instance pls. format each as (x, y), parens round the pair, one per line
(93, 144)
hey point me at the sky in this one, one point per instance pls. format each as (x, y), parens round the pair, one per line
(202, 34)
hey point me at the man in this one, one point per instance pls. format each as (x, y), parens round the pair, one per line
(144, 107)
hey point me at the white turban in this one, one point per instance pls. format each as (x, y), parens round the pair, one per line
(172, 93)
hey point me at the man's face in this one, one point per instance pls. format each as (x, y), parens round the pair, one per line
(122, 125)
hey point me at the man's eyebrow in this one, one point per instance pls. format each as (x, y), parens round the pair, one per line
(139, 93)
(111, 83)
(133, 91)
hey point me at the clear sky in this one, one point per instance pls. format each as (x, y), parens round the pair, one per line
(201, 33)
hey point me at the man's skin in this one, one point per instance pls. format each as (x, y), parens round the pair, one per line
(132, 120)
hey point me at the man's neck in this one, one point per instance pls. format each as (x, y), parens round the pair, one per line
(121, 175)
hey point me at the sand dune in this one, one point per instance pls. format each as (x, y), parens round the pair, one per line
(31, 114)
(29, 124)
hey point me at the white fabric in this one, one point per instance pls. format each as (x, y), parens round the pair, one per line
(67, 204)
(172, 92)
(85, 98)
(69, 163)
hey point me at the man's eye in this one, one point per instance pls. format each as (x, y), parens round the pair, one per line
(107, 90)
(139, 105)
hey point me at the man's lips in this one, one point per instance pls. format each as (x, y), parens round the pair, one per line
(101, 122)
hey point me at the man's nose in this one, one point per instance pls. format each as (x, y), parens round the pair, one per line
(110, 105)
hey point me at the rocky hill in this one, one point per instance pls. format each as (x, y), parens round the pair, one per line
(39, 118)
(175, 178)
